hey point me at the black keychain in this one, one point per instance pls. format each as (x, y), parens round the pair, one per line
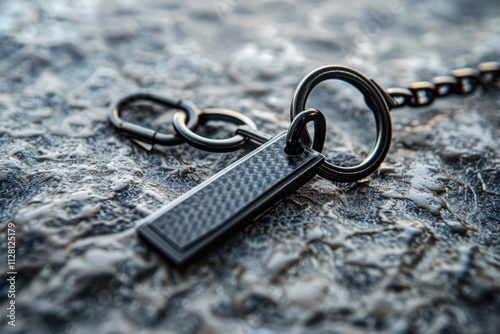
(252, 185)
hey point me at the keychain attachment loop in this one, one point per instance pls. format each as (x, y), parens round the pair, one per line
(298, 125)
(376, 99)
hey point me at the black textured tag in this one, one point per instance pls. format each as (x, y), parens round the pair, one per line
(224, 203)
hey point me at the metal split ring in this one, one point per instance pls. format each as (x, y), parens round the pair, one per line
(214, 145)
(376, 99)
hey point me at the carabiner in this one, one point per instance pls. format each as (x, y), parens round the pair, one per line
(148, 137)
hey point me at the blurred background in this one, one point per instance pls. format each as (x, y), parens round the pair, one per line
(414, 248)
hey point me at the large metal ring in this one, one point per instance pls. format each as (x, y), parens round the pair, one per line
(151, 136)
(375, 98)
(213, 145)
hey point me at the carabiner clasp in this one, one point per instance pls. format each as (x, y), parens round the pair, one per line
(148, 137)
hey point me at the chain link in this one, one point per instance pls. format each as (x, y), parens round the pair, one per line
(463, 81)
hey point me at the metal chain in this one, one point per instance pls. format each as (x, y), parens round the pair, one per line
(463, 81)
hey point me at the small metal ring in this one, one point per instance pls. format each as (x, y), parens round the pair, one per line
(149, 135)
(213, 145)
(375, 99)
(293, 145)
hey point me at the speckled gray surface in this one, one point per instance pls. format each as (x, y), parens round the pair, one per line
(412, 249)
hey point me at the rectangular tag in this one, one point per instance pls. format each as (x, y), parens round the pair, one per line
(223, 204)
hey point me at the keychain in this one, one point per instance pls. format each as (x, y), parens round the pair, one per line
(246, 189)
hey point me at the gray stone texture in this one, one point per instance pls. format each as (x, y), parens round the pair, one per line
(414, 248)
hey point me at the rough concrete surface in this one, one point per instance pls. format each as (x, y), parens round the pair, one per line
(414, 248)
